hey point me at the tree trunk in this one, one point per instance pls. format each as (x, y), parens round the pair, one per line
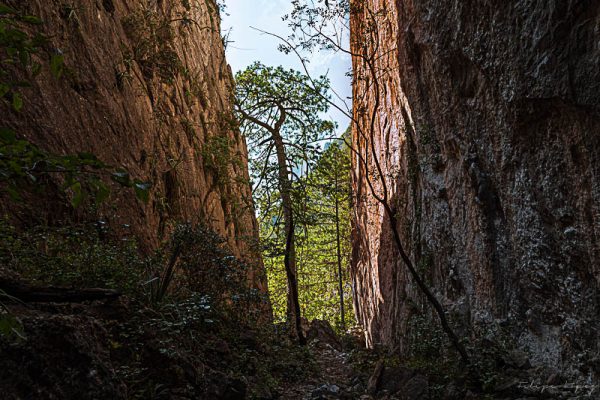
(285, 189)
(339, 249)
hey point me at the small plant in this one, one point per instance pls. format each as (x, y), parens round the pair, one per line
(197, 259)
(152, 37)
(75, 255)
(217, 158)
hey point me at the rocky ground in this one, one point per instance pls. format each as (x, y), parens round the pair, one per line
(348, 371)
(118, 349)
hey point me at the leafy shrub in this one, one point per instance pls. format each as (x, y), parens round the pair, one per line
(75, 255)
(198, 260)
(194, 260)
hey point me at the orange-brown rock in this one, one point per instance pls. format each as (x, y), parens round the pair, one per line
(487, 128)
(146, 86)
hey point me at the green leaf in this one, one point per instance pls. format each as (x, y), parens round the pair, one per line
(4, 89)
(17, 102)
(77, 194)
(102, 192)
(121, 177)
(7, 136)
(24, 57)
(142, 190)
(4, 9)
(57, 65)
(36, 68)
(10, 326)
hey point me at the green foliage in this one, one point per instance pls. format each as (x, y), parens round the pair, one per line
(24, 165)
(57, 65)
(325, 222)
(192, 330)
(89, 255)
(263, 94)
(73, 255)
(152, 36)
(207, 321)
(17, 51)
(218, 159)
(273, 105)
(270, 99)
(316, 239)
(197, 260)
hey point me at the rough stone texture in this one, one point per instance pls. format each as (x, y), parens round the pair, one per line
(147, 87)
(489, 138)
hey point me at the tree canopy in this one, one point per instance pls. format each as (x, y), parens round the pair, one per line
(273, 98)
(280, 114)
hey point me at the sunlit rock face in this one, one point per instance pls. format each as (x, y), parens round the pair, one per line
(487, 129)
(146, 86)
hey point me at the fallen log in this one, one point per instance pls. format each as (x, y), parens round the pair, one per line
(33, 294)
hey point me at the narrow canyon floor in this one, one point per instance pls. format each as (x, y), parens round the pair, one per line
(117, 349)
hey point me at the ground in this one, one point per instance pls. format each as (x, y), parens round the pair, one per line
(187, 349)
(334, 375)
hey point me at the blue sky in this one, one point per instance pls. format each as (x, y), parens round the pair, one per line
(248, 45)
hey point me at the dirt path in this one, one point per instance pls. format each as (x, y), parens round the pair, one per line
(332, 381)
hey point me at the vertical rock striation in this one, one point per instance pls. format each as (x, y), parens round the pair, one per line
(487, 127)
(146, 86)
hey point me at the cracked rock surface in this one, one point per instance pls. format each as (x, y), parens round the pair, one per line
(488, 133)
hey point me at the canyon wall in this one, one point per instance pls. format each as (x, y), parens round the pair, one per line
(145, 86)
(485, 119)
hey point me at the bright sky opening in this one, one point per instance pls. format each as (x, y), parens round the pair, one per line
(247, 45)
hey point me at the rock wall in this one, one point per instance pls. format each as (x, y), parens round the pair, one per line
(487, 128)
(145, 86)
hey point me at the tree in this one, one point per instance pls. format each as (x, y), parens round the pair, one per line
(322, 237)
(279, 114)
(327, 224)
(323, 26)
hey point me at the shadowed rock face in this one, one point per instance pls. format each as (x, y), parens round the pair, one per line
(147, 87)
(488, 132)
